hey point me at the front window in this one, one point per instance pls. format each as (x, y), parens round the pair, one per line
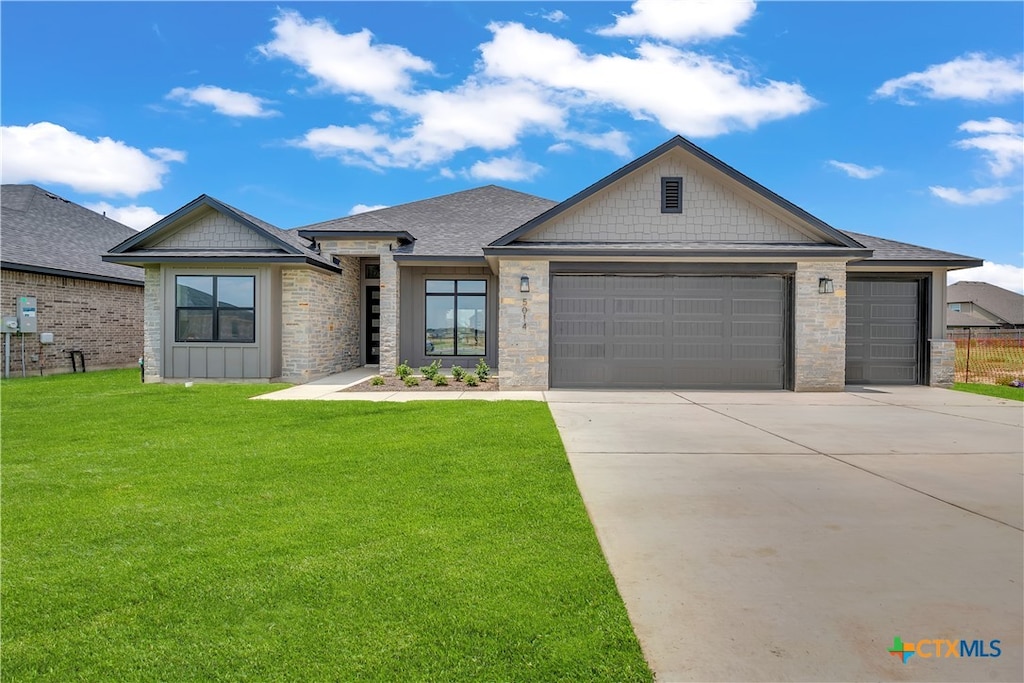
(215, 308)
(456, 317)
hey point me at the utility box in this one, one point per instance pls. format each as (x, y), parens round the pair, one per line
(10, 324)
(27, 314)
(46, 338)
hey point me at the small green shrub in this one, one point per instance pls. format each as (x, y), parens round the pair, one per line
(431, 371)
(482, 370)
(411, 381)
(472, 380)
(440, 380)
(458, 373)
(404, 370)
(377, 381)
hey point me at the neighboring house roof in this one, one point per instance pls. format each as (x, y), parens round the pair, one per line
(456, 225)
(286, 246)
(42, 232)
(1002, 303)
(893, 253)
(960, 319)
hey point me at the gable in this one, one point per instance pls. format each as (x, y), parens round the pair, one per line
(213, 230)
(714, 209)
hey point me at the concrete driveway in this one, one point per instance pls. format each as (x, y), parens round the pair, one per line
(782, 536)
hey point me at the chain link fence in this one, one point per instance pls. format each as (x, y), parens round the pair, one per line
(988, 356)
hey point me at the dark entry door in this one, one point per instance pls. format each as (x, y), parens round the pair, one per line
(372, 325)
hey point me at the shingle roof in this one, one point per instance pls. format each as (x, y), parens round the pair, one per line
(43, 232)
(891, 250)
(456, 225)
(1000, 302)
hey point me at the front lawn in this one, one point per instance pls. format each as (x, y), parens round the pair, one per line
(1015, 393)
(154, 532)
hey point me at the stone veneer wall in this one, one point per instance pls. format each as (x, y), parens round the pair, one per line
(103, 319)
(153, 322)
(523, 325)
(819, 328)
(319, 321)
(942, 362)
(389, 294)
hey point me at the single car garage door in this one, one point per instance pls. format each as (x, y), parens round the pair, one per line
(668, 331)
(883, 331)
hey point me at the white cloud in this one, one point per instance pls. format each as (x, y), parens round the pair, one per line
(708, 97)
(681, 20)
(138, 217)
(223, 101)
(364, 208)
(346, 63)
(1000, 274)
(504, 168)
(47, 153)
(556, 16)
(981, 195)
(857, 171)
(971, 77)
(1001, 142)
(560, 147)
(614, 141)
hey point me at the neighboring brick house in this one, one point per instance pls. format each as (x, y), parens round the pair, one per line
(980, 305)
(50, 249)
(676, 271)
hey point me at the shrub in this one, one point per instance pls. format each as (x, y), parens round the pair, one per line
(458, 373)
(431, 371)
(377, 381)
(482, 370)
(471, 380)
(404, 370)
(411, 381)
(440, 381)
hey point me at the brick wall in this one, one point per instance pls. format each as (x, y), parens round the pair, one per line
(630, 211)
(320, 321)
(523, 325)
(819, 328)
(102, 319)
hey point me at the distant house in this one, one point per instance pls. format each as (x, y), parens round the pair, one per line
(977, 305)
(676, 271)
(50, 249)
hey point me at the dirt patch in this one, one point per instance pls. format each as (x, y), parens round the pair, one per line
(394, 384)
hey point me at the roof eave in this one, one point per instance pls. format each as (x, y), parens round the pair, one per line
(138, 259)
(843, 252)
(952, 264)
(57, 272)
(401, 235)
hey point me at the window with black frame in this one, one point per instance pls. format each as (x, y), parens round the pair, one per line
(456, 317)
(215, 308)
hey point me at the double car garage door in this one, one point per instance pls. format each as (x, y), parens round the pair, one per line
(715, 331)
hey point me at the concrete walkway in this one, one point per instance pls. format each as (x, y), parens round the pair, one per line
(777, 536)
(333, 389)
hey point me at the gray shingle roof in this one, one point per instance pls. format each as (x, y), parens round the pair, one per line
(456, 225)
(891, 250)
(43, 232)
(1000, 302)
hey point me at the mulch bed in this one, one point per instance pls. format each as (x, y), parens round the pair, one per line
(395, 384)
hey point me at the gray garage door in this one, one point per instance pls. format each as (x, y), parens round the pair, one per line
(883, 332)
(668, 331)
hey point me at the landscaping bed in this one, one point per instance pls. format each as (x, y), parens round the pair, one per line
(396, 384)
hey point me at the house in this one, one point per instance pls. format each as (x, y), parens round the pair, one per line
(51, 250)
(674, 271)
(980, 305)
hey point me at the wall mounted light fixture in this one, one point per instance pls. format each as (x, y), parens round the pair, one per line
(825, 285)
(524, 284)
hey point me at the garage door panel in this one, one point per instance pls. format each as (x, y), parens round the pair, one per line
(569, 329)
(883, 331)
(670, 331)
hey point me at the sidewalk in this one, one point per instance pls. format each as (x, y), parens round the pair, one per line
(333, 389)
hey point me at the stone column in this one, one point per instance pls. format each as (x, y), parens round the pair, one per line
(819, 328)
(389, 306)
(942, 362)
(153, 311)
(523, 325)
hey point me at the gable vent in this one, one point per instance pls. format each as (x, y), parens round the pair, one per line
(671, 195)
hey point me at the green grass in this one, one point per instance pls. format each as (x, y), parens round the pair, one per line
(154, 532)
(1014, 393)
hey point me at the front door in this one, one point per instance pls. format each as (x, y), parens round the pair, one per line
(373, 325)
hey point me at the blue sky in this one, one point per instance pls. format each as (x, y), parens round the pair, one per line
(901, 120)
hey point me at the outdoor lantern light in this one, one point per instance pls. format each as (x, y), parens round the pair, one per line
(524, 284)
(825, 285)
